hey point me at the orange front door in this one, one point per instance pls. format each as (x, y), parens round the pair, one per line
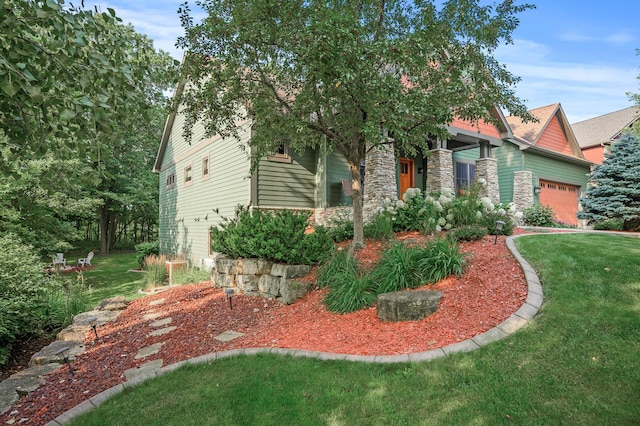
(562, 198)
(406, 175)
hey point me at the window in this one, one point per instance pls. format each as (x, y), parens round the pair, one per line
(282, 154)
(171, 180)
(205, 168)
(465, 173)
(188, 178)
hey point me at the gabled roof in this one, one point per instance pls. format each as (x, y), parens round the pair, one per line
(605, 128)
(540, 135)
(168, 125)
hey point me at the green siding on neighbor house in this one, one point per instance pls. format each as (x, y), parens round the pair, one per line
(187, 210)
(511, 159)
(557, 170)
(282, 184)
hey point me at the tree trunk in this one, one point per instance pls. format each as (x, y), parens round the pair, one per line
(103, 214)
(356, 197)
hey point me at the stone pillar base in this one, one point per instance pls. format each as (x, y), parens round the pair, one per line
(440, 171)
(379, 180)
(523, 189)
(487, 169)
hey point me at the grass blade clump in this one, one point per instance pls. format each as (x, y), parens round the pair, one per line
(442, 258)
(397, 269)
(349, 289)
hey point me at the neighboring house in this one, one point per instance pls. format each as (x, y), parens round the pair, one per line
(205, 180)
(595, 135)
(541, 164)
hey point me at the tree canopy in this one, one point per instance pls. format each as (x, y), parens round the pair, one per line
(81, 108)
(346, 73)
(615, 188)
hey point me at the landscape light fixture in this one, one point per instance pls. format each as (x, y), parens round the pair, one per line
(64, 356)
(93, 322)
(499, 226)
(229, 293)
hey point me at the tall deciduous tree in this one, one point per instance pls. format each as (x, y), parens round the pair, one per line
(348, 73)
(78, 84)
(615, 188)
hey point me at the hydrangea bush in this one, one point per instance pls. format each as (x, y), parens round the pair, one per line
(430, 213)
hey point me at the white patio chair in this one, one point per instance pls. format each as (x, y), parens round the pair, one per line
(86, 261)
(59, 259)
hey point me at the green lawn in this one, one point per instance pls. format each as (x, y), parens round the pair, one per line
(578, 362)
(111, 277)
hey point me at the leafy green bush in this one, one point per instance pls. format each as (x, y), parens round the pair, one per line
(440, 259)
(615, 224)
(539, 215)
(490, 221)
(31, 302)
(146, 249)
(278, 236)
(380, 227)
(469, 233)
(340, 230)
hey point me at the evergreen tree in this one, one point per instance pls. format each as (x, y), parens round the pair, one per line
(615, 188)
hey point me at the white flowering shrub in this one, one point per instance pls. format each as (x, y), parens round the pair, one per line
(436, 212)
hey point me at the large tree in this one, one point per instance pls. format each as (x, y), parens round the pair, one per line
(346, 73)
(77, 84)
(614, 191)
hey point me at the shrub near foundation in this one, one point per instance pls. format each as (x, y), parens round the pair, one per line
(278, 236)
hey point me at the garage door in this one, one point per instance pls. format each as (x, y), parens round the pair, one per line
(562, 198)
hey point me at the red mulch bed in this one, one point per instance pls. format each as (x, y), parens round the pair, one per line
(491, 289)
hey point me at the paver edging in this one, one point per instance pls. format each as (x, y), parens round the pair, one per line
(501, 331)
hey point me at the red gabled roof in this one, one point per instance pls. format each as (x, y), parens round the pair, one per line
(552, 132)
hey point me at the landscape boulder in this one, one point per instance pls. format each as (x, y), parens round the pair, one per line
(407, 305)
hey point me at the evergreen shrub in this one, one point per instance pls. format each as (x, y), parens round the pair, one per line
(277, 236)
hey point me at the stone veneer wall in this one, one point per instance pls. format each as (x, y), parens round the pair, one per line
(487, 169)
(440, 171)
(261, 277)
(523, 189)
(379, 179)
(324, 216)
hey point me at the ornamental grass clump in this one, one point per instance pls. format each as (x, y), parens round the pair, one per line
(441, 259)
(349, 288)
(401, 267)
(156, 270)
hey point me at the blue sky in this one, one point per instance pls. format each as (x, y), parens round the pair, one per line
(581, 53)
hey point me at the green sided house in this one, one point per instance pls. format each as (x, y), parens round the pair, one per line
(542, 164)
(205, 180)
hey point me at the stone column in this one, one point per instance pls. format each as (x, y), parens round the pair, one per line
(487, 169)
(379, 179)
(523, 189)
(440, 171)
